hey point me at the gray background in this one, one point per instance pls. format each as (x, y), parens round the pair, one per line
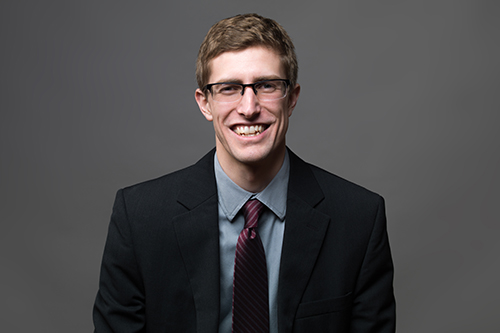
(399, 96)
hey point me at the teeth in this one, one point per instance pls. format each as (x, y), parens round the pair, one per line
(249, 130)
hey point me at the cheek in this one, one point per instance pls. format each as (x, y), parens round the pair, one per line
(284, 116)
(220, 114)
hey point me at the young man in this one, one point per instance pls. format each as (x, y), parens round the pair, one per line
(251, 238)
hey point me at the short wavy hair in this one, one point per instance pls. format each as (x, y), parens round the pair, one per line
(240, 32)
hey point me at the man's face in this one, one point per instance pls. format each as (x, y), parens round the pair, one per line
(248, 66)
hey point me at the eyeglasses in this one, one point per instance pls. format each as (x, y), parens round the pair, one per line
(267, 90)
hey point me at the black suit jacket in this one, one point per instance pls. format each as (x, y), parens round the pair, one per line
(160, 269)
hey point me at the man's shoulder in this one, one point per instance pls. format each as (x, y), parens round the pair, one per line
(345, 196)
(170, 184)
(330, 183)
(168, 180)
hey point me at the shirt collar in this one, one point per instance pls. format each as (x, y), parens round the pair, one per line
(232, 197)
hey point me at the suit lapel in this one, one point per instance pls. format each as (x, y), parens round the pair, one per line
(305, 229)
(197, 233)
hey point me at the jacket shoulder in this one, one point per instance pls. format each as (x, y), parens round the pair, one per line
(171, 183)
(167, 189)
(348, 192)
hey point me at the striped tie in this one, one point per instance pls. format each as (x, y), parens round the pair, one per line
(250, 289)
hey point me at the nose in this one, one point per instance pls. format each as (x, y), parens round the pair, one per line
(249, 105)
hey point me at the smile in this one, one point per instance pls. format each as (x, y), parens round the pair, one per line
(249, 130)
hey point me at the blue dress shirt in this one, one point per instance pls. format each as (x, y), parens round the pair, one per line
(271, 228)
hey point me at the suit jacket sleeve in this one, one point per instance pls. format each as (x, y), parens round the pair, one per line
(119, 306)
(374, 304)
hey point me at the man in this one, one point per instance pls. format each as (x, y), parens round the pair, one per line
(178, 247)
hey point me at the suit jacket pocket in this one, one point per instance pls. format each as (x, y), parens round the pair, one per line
(324, 306)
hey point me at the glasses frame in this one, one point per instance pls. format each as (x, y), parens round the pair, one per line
(243, 86)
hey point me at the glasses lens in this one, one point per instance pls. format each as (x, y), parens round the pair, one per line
(270, 90)
(226, 92)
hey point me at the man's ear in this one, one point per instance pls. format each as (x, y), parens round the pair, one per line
(203, 104)
(293, 98)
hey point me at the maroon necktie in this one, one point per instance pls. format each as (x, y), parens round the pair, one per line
(250, 287)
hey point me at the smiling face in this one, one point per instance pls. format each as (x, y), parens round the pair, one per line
(248, 132)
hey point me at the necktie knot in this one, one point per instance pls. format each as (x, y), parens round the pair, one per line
(251, 211)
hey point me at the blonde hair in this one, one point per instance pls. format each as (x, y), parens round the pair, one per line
(241, 32)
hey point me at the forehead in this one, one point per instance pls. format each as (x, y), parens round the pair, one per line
(248, 65)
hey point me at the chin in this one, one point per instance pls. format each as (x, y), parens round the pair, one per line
(255, 156)
(250, 159)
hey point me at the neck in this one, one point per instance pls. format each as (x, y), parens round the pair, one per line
(253, 177)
